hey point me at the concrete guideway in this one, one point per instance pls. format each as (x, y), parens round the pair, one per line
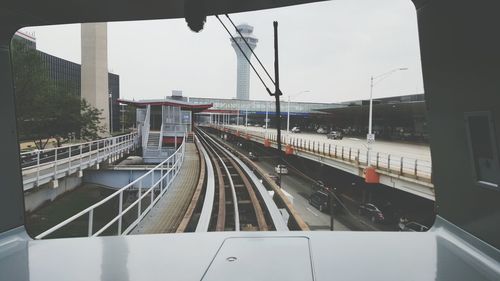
(407, 174)
(268, 204)
(167, 214)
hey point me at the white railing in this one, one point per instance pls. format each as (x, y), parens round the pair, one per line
(160, 141)
(145, 128)
(42, 166)
(167, 169)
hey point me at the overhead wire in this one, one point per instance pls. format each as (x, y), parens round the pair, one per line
(248, 45)
(246, 57)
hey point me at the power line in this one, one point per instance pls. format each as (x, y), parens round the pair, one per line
(246, 57)
(248, 45)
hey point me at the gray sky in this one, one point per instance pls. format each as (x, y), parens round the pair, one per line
(330, 48)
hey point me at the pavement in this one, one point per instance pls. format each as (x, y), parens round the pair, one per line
(401, 149)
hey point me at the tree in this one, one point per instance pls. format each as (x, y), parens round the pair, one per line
(46, 109)
(90, 119)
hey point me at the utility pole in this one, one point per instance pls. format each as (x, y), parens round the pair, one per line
(332, 201)
(277, 94)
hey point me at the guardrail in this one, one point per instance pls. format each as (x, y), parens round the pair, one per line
(419, 169)
(171, 165)
(41, 166)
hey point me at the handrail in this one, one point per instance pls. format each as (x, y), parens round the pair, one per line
(75, 145)
(42, 166)
(173, 162)
(146, 127)
(161, 136)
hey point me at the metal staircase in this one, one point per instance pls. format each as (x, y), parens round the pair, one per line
(153, 140)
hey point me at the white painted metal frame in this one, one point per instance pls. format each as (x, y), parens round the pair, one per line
(171, 165)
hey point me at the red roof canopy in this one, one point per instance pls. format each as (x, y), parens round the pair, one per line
(168, 102)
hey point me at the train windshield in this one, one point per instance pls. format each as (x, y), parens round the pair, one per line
(150, 127)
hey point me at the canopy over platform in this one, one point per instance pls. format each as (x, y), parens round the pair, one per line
(195, 108)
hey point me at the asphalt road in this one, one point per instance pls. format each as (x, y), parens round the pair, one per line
(301, 186)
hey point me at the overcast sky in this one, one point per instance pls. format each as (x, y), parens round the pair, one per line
(330, 48)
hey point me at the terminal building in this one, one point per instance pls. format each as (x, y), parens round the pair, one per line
(400, 118)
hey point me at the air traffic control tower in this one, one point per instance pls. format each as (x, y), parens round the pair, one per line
(243, 71)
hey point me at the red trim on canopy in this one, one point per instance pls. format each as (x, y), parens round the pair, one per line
(182, 105)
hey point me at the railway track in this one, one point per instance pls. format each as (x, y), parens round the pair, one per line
(237, 204)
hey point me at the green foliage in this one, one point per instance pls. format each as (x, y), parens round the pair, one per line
(45, 109)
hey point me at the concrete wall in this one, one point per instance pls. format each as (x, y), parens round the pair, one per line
(118, 178)
(46, 193)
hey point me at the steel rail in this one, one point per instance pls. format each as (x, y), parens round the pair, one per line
(271, 207)
(233, 192)
(208, 202)
(221, 214)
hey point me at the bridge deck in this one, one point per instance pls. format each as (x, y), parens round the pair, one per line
(169, 211)
(401, 166)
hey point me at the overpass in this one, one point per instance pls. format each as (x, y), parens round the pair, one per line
(48, 165)
(409, 173)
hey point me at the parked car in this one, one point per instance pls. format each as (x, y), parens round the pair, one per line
(336, 135)
(281, 169)
(412, 226)
(372, 212)
(320, 200)
(252, 156)
(321, 131)
(295, 130)
(256, 125)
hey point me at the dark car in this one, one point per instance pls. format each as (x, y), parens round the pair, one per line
(335, 135)
(372, 212)
(320, 200)
(412, 226)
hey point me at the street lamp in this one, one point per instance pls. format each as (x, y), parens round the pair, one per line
(370, 137)
(288, 114)
(111, 113)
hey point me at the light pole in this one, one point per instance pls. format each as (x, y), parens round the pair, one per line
(111, 113)
(288, 114)
(370, 137)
